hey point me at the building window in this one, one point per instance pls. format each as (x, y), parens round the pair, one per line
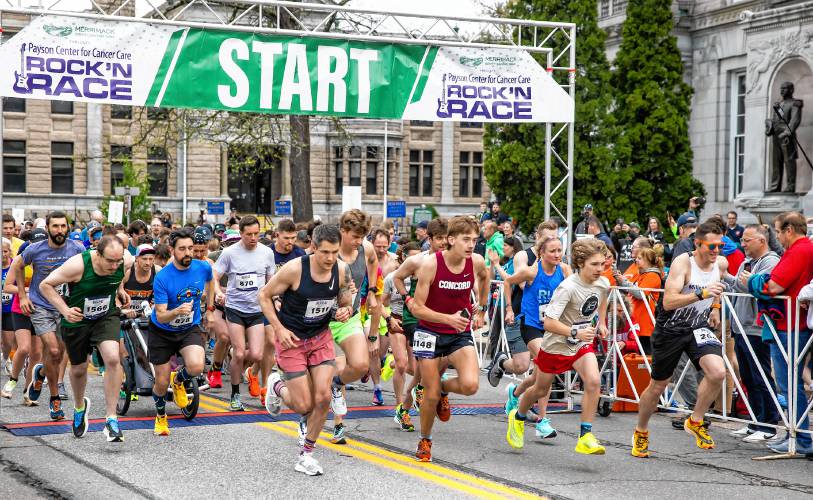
(608, 8)
(62, 107)
(119, 155)
(421, 163)
(471, 124)
(14, 105)
(338, 168)
(471, 174)
(62, 167)
(421, 123)
(393, 155)
(158, 171)
(737, 141)
(371, 170)
(157, 113)
(463, 189)
(355, 166)
(118, 111)
(14, 166)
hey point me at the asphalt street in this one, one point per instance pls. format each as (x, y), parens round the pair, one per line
(254, 457)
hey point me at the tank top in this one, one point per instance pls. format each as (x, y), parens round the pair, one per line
(95, 295)
(449, 293)
(358, 269)
(537, 295)
(139, 292)
(307, 311)
(696, 315)
(7, 298)
(517, 292)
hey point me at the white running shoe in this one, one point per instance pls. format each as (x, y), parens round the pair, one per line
(308, 465)
(337, 403)
(7, 366)
(273, 401)
(742, 432)
(8, 389)
(759, 437)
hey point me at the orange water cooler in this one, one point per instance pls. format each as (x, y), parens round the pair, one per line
(640, 377)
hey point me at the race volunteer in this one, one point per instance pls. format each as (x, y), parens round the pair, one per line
(90, 318)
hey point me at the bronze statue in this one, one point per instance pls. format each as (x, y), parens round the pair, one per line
(785, 119)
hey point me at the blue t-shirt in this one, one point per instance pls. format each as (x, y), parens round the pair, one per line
(7, 297)
(44, 259)
(173, 287)
(281, 258)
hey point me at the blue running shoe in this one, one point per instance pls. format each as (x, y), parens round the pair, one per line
(544, 430)
(338, 435)
(378, 397)
(56, 411)
(112, 431)
(34, 389)
(80, 420)
(513, 401)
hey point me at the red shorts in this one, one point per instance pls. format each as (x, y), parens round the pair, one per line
(558, 363)
(306, 353)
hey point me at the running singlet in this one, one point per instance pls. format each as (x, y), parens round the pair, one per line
(686, 319)
(139, 292)
(94, 295)
(359, 271)
(308, 310)
(173, 287)
(7, 297)
(448, 294)
(537, 295)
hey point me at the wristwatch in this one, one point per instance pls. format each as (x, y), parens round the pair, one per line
(573, 332)
(373, 289)
(372, 338)
(482, 308)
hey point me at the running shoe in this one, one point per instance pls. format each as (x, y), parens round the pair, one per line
(338, 435)
(424, 451)
(742, 432)
(112, 431)
(516, 431)
(63, 394)
(161, 426)
(759, 437)
(589, 445)
(444, 409)
(640, 444)
(27, 401)
(784, 447)
(235, 404)
(55, 409)
(263, 393)
(8, 389)
(215, 379)
(308, 465)
(403, 419)
(34, 389)
(495, 373)
(388, 369)
(512, 401)
(273, 402)
(302, 429)
(7, 365)
(253, 383)
(378, 397)
(337, 403)
(417, 398)
(178, 392)
(700, 433)
(80, 420)
(544, 430)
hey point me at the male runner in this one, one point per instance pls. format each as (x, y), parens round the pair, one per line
(688, 312)
(310, 287)
(90, 318)
(219, 327)
(248, 266)
(138, 280)
(44, 257)
(442, 304)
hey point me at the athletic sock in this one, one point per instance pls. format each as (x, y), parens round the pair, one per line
(278, 385)
(217, 366)
(520, 416)
(584, 428)
(235, 389)
(13, 379)
(182, 376)
(377, 386)
(308, 446)
(337, 381)
(54, 398)
(160, 404)
(429, 438)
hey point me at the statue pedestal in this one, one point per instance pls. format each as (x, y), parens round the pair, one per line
(768, 205)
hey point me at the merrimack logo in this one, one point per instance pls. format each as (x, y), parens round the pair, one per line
(57, 30)
(471, 61)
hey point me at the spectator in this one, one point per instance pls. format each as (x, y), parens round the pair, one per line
(388, 226)
(422, 237)
(731, 251)
(642, 299)
(748, 331)
(622, 242)
(686, 226)
(733, 230)
(609, 266)
(639, 243)
(596, 229)
(495, 215)
(654, 232)
(587, 212)
(9, 225)
(155, 229)
(96, 216)
(507, 229)
(493, 239)
(166, 219)
(483, 211)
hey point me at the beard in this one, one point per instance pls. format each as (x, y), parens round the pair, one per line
(186, 261)
(58, 238)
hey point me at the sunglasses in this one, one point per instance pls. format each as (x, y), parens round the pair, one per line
(711, 246)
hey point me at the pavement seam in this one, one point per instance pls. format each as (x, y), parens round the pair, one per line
(26, 477)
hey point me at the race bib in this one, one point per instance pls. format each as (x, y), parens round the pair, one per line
(95, 308)
(542, 308)
(423, 345)
(7, 298)
(63, 290)
(704, 336)
(247, 282)
(182, 320)
(316, 310)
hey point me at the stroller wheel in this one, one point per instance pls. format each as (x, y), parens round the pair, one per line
(194, 399)
(605, 408)
(123, 404)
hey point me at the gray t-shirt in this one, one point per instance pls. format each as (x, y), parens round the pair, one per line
(44, 259)
(396, 299)
(247, 271)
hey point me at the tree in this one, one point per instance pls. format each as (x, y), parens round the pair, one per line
(141, 204)
(515, 153)
(653, 152)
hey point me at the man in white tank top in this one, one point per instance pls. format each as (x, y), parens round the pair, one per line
(686, 317)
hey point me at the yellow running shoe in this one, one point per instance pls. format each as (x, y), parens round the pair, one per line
(640, 444)
(700, 433)
(178, 392)
(516, 431)
(161, 426)
(388, 369)
(589, 445)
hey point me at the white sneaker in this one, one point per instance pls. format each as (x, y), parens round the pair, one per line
(337, 403)
(308, 465)
(8, 389)
(742, 432)
(273, 402)
(758, 437)
(7, 366)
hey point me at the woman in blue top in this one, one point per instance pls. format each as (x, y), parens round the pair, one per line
(8, 329)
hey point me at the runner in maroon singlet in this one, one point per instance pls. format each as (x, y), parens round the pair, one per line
(443, 307)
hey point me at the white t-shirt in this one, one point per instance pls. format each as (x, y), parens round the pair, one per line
(247, 272)
(574, 303)
(396, 299)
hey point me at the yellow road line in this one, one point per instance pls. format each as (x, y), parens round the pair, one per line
(437, 474)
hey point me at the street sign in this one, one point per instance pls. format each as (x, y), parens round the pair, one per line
(421, 214)
(127, 191)
(18, 214)
(283, 208)
(396, 209)
(115, 212)
(216, 207)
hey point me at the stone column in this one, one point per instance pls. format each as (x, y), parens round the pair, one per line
(447, 163)
(94, 172)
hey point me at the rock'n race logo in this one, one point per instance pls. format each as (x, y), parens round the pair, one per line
(57, 30)
(471, 61)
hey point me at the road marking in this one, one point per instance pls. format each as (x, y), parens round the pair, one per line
(438, 474)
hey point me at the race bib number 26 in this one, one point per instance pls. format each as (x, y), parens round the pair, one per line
(704, 336)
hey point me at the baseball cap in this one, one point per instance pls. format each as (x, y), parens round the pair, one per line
(634, 225)
(219, 228)
(231, 235)
(97, 230)
(92, 224)
(686, 218)
(588, 207)
(38, 234)
(144, 250)
(76, 236)
(202, 234)
(423, 224)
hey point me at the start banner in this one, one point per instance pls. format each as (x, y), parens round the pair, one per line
(134, 63)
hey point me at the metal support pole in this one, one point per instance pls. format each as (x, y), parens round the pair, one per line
(386, 132)
(183, 168)
(571, 164)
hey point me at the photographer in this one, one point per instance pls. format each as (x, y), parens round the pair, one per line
(587, 212)
(622, 242)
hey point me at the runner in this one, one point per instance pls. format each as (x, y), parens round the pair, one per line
(44, 257)
(29, 346)
(442, 304)
(7, 335)
(90, 319)
(688, 312)
(175, 324)
(138, 280)
(248, 266)
(574, 316)
(219, 327)
(310, 287)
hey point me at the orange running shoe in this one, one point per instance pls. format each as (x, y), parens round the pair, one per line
(444, 409)
(424, 453)
(263, 392)
(253, 383)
